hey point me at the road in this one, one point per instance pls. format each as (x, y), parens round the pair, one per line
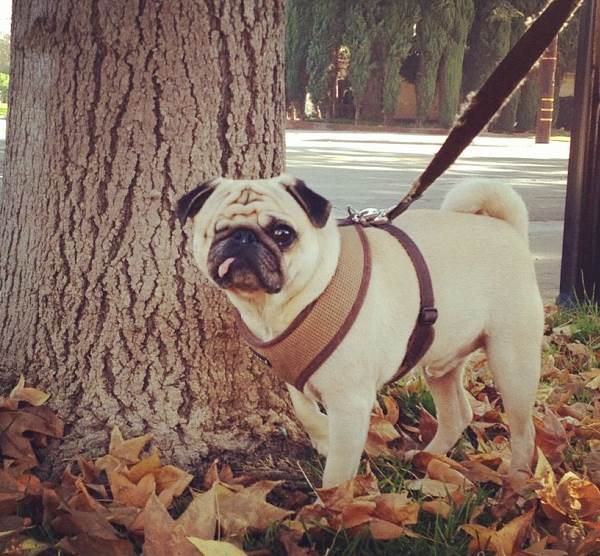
(366, 169)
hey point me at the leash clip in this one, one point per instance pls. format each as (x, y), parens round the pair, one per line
(368, 216)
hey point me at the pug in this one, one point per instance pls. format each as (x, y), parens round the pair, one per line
(273, 247)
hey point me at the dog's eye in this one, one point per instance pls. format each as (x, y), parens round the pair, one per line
(283, 235)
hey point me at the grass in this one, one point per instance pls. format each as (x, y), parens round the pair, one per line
(3, 109)
(436, 536)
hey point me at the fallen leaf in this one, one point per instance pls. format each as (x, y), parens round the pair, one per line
(147, 465)
(84, 545)
(290, 540)
(384, 530)
(15, 423)
(550, 436)
(20, 393)
(431, 487)
(131, 494)
(427, 426)
(504, 541)
(443, 472)
(164, 535)
(246, 509)
(216, 548)
(397, 508)
(171, 481)
(127, 451)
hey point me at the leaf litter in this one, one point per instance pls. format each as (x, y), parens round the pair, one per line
(129, 501)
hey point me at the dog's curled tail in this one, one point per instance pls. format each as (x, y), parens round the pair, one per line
(492, 199)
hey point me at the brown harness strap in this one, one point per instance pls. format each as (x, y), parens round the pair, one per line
(319, 329)
(423, 332)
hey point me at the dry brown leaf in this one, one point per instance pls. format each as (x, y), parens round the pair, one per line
(442, 471)
(550, 436)
(427, 426)
(15, 423)
(131, 494)
(84, 545)
(384, 530)
(170, 482)
(480, 473)
(381, 433)
(437, 507)
(20, 392)
(589, 428)
(397, 508)
(392, 411)
(504, 541)
(290, 540)
(358, 512)
(246, 509)
(147, 465)
(215, 548)
(127, 451)
(164, 535)
(431, 487)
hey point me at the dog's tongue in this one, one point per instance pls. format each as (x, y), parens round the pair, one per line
(224, 267)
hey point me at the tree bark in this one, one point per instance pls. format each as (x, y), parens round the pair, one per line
(118, 108)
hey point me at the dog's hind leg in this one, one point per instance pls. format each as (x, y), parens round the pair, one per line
(313, 421)
(349, 415)
(515, 361)
(452, 407)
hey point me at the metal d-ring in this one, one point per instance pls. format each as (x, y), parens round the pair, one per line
(368, 216)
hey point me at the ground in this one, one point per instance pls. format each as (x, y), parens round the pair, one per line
(375, 169)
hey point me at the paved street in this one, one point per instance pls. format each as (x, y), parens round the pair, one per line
(375, 169)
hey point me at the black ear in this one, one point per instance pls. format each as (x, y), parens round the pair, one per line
(190, 204)
(316, 207)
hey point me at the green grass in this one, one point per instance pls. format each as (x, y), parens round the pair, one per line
(3, 109)
(438, 536)
(583, 318)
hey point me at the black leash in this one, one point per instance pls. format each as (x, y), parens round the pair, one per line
(483, 105)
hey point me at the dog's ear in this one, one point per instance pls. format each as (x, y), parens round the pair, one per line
(190, 204)
(316, 207)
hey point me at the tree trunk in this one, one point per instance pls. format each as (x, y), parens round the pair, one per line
(118, 108)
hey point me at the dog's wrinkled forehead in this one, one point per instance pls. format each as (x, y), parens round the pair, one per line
(250, 202)
(234, 202)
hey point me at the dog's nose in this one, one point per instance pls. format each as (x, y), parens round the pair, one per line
(244, 236)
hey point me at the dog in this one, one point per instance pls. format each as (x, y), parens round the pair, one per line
(273, 246)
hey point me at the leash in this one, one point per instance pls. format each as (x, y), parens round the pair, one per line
(482, 106)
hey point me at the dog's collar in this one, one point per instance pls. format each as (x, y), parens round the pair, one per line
(319, 329)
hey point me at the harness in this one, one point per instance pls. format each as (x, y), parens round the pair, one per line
(297, 353)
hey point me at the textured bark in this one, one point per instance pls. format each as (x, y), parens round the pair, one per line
(117, 108)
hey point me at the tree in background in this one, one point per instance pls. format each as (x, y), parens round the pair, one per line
(4, 81)
(489, 41)
(4, 53)
(432, 40)
(298, 28)
(451, 67)
(361, 29)
(325, 42)
(526, 113)
(397, 20)
(100, 303)
(567, 61)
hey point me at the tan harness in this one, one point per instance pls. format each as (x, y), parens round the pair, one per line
(319, 329)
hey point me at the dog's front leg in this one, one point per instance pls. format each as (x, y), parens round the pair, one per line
(349, 418)
(314, 422)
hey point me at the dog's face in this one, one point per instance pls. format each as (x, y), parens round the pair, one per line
(256, 237)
